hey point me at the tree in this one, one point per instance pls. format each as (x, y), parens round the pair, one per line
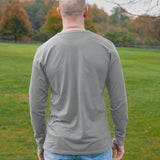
(117, 18)
(100, 19)
(37, 11)
(114, 19)
(2, 2)
(147, 27)
(100, 16)
(14, 21)
(89, 21)
(53, 22)
(120, 37)
(40, 36)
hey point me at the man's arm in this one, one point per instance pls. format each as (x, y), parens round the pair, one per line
(118, 99)
(38, 93)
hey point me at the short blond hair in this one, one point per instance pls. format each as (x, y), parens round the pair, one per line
(72, 7)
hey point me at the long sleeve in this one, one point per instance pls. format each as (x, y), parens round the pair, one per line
(118, 99)
(38, 93)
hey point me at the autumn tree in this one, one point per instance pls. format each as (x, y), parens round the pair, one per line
(2, 2)
(147, 28)
(89, 21)
(100, 16)
(14, 21)
(156, 28)
(100, 19)
(53, 22)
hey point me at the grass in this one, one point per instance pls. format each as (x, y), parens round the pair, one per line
(141, 68)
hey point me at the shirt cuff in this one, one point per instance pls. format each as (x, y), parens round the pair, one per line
(40, 146)
(119, 141)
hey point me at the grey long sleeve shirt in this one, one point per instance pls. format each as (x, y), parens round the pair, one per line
(77, 65)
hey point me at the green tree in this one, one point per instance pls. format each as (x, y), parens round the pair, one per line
(114, 19)
(14, 21)
(118, 18)
(120, 37)
(40, 36)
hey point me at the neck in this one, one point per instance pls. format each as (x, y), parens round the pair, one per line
(74, 23)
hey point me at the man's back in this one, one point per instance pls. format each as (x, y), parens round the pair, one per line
(77, 64)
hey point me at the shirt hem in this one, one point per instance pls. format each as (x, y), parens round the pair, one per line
(78, 153)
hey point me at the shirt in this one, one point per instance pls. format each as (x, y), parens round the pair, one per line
(76, 65)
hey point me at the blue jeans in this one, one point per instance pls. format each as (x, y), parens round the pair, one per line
(54, 156)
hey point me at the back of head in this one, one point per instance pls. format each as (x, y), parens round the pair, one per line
(72, 7)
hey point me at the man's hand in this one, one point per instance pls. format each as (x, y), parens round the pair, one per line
(40, 154)
(119, 151)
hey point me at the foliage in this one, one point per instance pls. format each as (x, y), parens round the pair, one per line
(2, 2)
(100, 19)
(37, 11)
(53, 22)
(114, 19)
(151, 41)
(25, 39)
(142, 30)
(121, 37)
(89, 21)
(118, 18)
(146, 27)
(40, 37)
(14, 21)
(118, 27)
(99, 15)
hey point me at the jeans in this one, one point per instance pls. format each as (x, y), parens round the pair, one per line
(54, 156)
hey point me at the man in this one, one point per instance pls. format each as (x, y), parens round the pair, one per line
(77, 64)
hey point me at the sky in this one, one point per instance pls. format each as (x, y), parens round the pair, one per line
(138, 8)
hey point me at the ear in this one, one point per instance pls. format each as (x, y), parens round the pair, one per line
(85, 12)
(59, 12)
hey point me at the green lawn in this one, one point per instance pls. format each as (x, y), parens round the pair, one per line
(141, 69)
